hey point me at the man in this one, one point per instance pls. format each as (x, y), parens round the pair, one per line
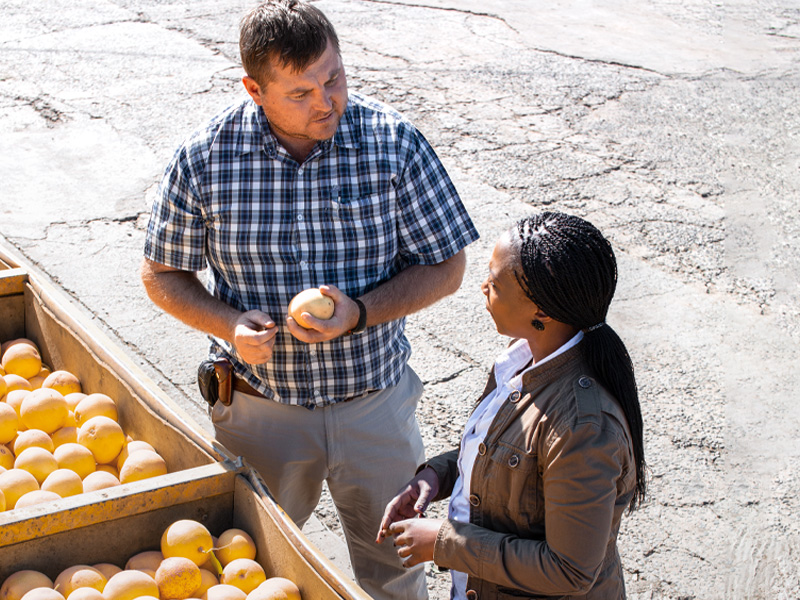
(301, 186)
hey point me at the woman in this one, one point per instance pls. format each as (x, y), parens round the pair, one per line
(552, 454)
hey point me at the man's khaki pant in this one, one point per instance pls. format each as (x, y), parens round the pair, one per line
(365, 449)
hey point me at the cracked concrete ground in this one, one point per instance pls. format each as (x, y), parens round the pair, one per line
(673, 126)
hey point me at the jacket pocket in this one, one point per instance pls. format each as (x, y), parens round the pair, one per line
(517, 485)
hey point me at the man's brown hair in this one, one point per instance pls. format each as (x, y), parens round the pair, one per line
(292, 32)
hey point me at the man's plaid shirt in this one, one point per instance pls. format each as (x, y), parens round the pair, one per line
(362, 207)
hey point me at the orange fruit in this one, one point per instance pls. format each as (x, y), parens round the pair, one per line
(18, 584)
(142, 465)
(79, 576)
(63, 382)
(148, 560)
(232, 544)
(103, 436)
(66, 435)
(107, 569)
(73, 399)
(37, 461)
(31, 438)
(16, 394)
(22, 359)
(3, 385)
(6, 457)
(9, 423)
(75, 457)
(244, 573)
(36, 497)
(207, 580)
(177, 578)
(44, 409)
(187, 538)
(63, 482)
(276, 588)
(130, 447)
(15, 483)
(99, 480)
(95, 405)
(128, 585)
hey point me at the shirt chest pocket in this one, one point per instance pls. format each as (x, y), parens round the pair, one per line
(516, 483)
(362, 229)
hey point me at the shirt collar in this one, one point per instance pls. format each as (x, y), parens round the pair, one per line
(255, 134)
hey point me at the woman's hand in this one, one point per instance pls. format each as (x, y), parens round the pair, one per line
(415, 539)
(411, 501)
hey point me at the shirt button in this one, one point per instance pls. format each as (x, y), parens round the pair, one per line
(513, 461)
(474, 499)
(515, 396)
(472, 595)
(585, 382)
(303, 264)
(481, 448)
(299, 217)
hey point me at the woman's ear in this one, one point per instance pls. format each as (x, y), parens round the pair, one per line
(539, 320)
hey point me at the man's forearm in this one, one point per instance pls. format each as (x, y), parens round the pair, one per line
(182, 294)
(413, 289)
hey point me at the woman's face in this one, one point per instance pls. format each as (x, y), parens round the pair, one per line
(510, 308)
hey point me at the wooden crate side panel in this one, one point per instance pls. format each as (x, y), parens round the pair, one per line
(12, 317)
(63, 348)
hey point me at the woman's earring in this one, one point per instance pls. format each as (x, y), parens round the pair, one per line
(537, 325)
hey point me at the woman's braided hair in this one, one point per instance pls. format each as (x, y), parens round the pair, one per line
(570, 272)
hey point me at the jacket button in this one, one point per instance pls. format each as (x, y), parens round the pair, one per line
(515, 396)
(472, 595)
(585, 382)
(474, 499)
(513, 461)
(481, 448)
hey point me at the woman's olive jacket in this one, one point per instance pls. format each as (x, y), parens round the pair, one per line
(549, 486)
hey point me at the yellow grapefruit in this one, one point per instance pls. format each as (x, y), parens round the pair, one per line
(15, 396)
(74, 399)
(313, 302)
(130, 447)
(276, 588)
(9, 423)
(103, 436)
(142, 465)
(207, 580)
(187, 538)
(20, 583)
(95, 405)
(79, 576)
(128, 585)
(66, 435)
(63, 482)
(2, 495)
(37, 461)
(107, 569)
(224, 592)
(6, 457)
(148, 560)
(32, 438)
(44, 409)
(43, 593)
(178, 578)
(62, 381)
(75, 457)
(86, 593)
(15, 483)
(22, 359)
(244, 573)
(99, 480)
(232, 544)
(36, 497)
(3, 386)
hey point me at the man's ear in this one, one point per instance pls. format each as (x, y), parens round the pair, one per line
(252, 87)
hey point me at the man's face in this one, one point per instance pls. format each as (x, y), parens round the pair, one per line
(303, 108)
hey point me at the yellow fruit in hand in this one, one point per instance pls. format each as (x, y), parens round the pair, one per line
(276, 588)
(142, 465)
(99, 480)
(224, 592)
(44, 409)
(103, 436)
(95, 405)
(232, 544)
(128, 585)
(9, 423)
(177, 578)
(37, 461)
(63, 482)
(20, 583)
(313, 302)
(187, 538)
(22, 359)
(36, 497)
(31, 438)
(79, 576)
(63, 382)
(15, 483)
(244, 573)
(75, 457)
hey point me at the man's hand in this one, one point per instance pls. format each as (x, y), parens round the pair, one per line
(411, 501)
(415, 539)
(254, 336)
(345, 317)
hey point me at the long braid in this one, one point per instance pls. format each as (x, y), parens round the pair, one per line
(569, 271)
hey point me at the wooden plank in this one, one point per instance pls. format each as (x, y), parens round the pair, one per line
(12, 281)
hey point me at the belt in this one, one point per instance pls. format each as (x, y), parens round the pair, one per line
(240, 385)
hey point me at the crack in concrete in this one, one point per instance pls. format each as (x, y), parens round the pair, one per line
(446, 9)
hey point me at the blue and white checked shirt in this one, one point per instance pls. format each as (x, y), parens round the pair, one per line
(362, 207)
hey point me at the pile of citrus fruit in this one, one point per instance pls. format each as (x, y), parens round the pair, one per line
(190, 563)
(57, 441)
